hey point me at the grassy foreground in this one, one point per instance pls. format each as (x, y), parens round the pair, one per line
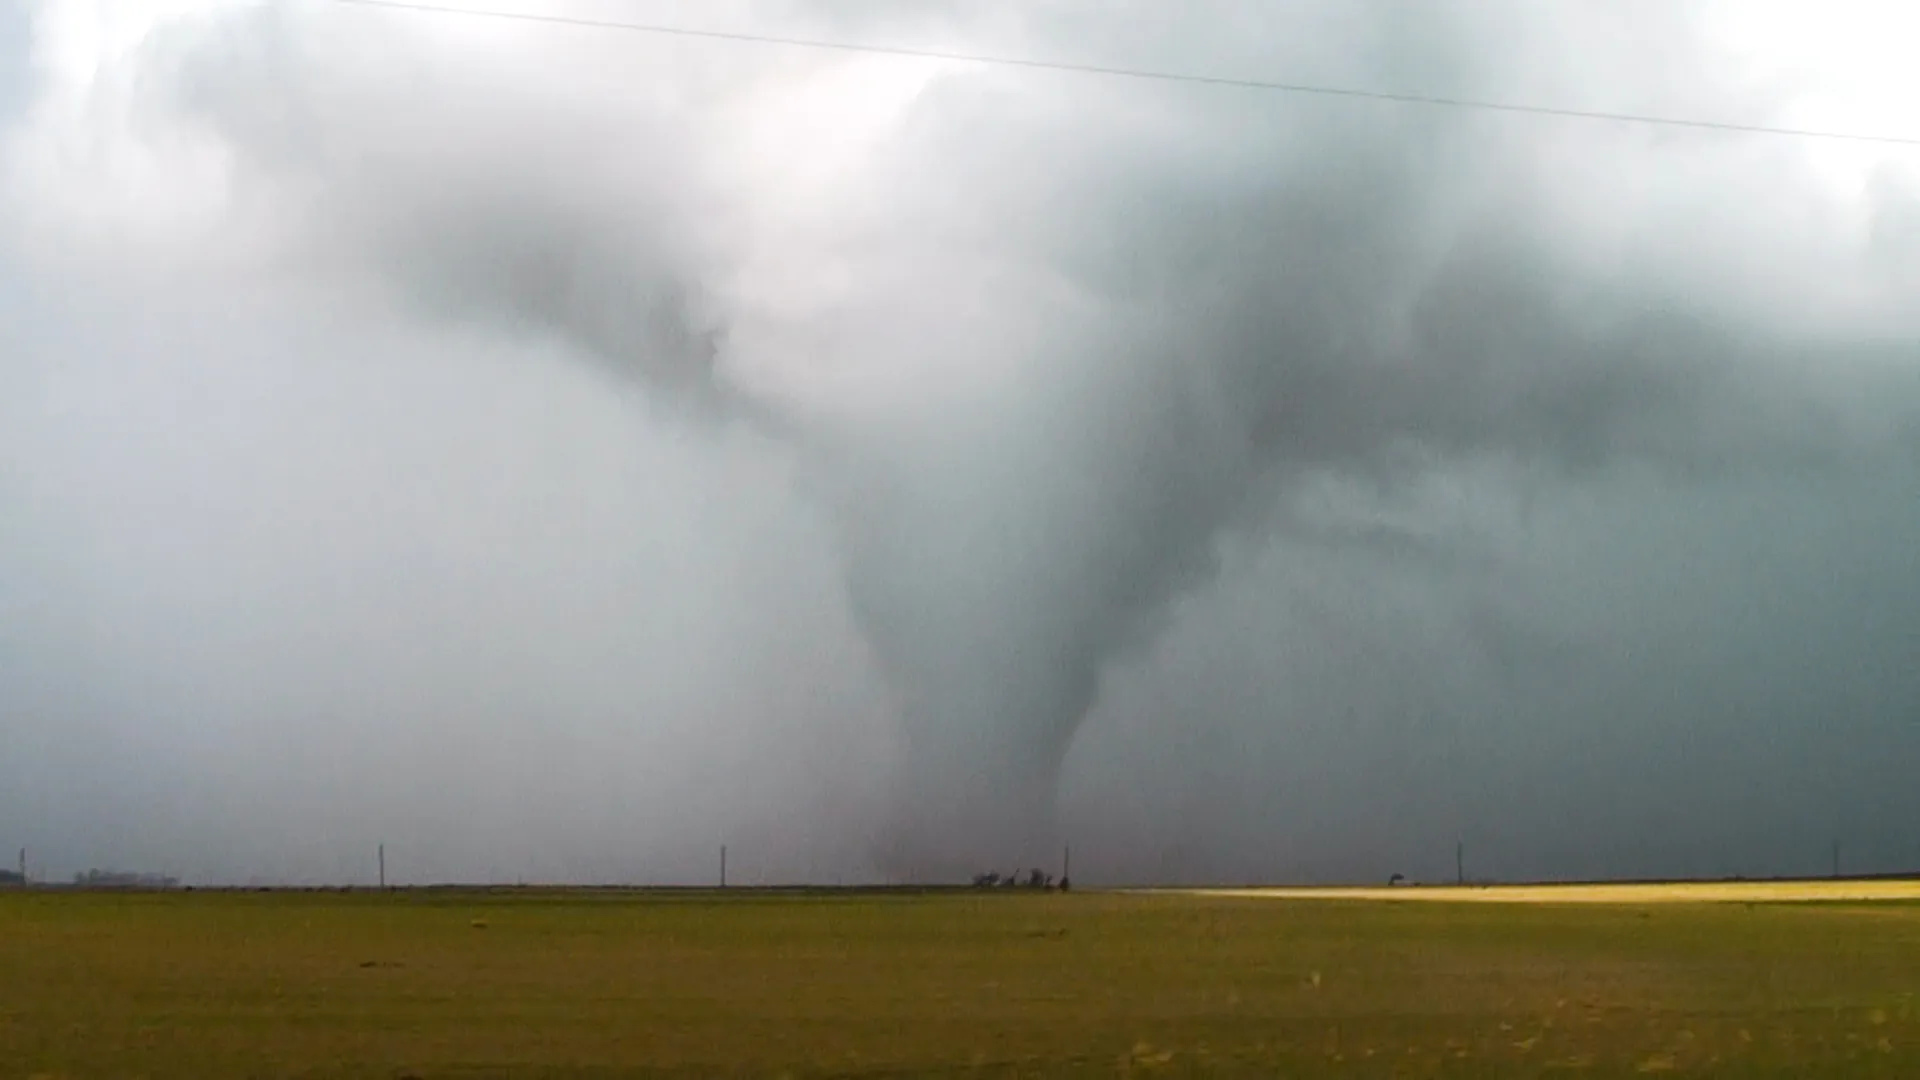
(593, 984)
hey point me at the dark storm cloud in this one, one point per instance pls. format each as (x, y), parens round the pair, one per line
(1295, 292)
(1369, 475)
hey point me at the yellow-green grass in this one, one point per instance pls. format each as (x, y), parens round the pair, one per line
(601, 984)
(1649, 892)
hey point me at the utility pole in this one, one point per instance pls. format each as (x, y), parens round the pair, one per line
(23, 866)
(1066, 863)
(1460, 862)
(723, 866)
(383, 866)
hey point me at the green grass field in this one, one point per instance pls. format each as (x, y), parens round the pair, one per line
(600, 984)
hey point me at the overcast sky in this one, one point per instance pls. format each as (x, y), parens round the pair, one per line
(557, 452)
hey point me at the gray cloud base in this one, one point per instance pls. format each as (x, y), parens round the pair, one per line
(1255, 486)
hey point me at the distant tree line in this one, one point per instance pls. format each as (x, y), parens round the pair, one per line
(1033, 879)
(116, 879)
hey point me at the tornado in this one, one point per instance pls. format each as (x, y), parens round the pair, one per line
(1002, 551)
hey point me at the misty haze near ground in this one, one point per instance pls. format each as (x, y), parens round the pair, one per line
(555, 453)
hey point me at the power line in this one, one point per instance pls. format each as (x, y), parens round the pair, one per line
(1144, 73)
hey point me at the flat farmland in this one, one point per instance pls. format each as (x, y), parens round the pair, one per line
(593, 983)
